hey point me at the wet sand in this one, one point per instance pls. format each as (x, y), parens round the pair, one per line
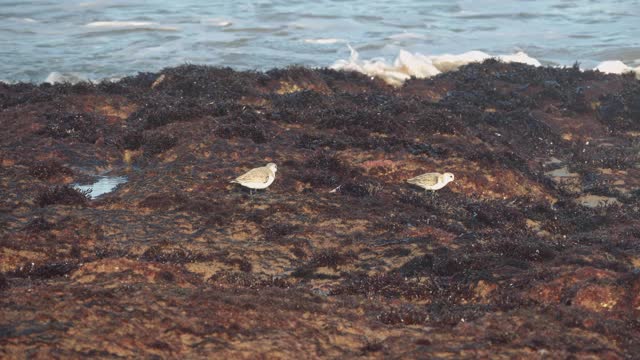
(519, 257)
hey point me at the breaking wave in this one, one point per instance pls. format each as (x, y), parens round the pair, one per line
(396, 72)
(407, 64)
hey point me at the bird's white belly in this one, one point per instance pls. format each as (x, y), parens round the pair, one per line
(437, 186)
(263, 185)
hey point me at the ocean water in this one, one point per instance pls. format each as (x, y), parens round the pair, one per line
(74, 40)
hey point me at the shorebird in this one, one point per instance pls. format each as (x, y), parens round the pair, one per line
(432, 181)
(258, 178)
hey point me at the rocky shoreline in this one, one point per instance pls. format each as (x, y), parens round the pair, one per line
(532, 252)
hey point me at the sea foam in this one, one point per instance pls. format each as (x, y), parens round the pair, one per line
(56, 77)
(613, 67)
(217, 22)
(129, 25)
(323, 41)
(112, 24)
(60, 78)
(407, 64)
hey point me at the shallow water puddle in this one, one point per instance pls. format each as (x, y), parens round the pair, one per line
(104, 185)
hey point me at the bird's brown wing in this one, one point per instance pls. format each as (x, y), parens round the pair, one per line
(428, 179)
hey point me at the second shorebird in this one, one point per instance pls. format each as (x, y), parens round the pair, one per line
(258, 178)
(432, 181)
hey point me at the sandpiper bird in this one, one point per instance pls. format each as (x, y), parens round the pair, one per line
(432, 181)
(258, 178)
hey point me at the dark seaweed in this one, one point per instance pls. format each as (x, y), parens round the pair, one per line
(62, 195)
(45, 170)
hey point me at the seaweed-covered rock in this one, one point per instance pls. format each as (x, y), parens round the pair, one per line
(339, 257)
